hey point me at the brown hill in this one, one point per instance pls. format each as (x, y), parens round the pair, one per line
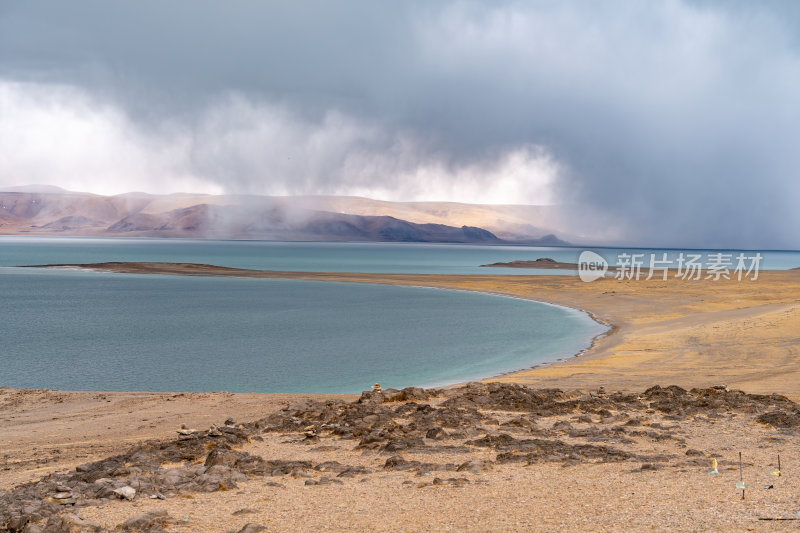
(54, 212)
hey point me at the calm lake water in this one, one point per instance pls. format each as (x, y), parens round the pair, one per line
(80, 330)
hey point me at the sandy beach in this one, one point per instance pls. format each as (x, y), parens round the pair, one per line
(653, 474)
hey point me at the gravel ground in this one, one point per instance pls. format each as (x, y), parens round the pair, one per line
(526, 460)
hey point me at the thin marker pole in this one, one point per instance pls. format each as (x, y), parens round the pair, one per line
(740, 473)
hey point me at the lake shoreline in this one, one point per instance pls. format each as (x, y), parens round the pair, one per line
(195, 269)
(695, 304)
(410, 335)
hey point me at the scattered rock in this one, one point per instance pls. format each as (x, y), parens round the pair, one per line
(394, 461)
(373, 396)
(221, 457)
(150, 521)
(252, 528)
(780, 419)
(435, 434)
(563, 425)
(392, 395)
(71, 523)
(186, 431)
(416, 393)
(403, 443)
(475, 467)
(392, 422)
(680, 403)
(125, 493)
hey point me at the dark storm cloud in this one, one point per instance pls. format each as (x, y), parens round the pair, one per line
(674, 121)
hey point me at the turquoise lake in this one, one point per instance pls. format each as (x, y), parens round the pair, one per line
(82, 330)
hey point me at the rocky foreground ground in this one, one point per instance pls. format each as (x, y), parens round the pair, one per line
(478, 457)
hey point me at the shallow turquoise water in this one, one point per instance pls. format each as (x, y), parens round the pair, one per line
(82, 330)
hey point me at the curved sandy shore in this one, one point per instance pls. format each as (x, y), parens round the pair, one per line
(745, 334)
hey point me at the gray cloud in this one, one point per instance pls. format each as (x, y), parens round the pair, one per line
(675, 120)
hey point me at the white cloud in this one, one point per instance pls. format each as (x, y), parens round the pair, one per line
(60, 135)
(524, 175)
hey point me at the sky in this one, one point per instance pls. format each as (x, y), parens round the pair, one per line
(675, 121)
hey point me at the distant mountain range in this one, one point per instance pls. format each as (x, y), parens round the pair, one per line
(45, 210)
